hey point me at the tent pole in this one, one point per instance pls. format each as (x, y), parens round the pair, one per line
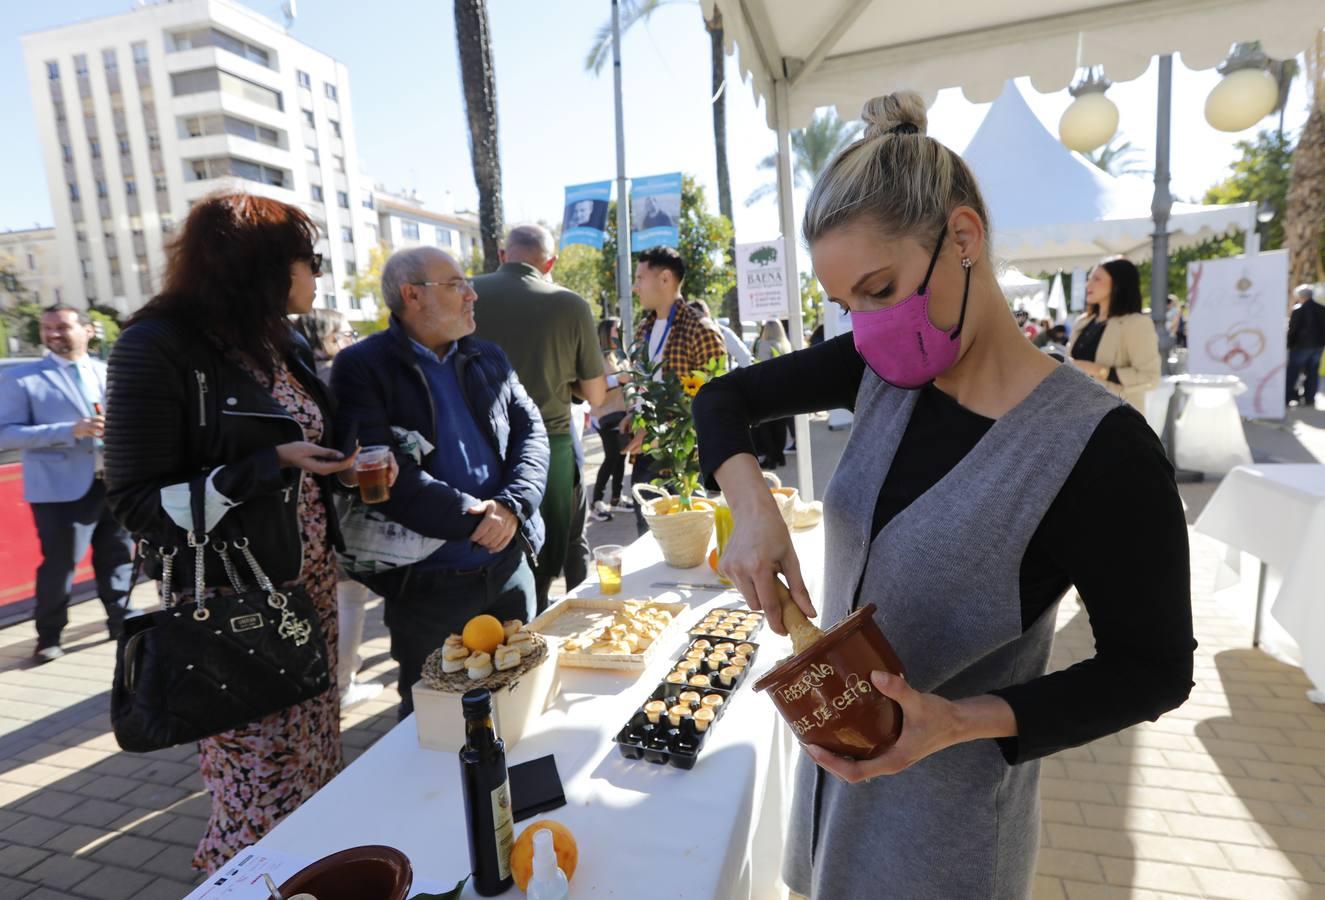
(623, 272)
(787, 210)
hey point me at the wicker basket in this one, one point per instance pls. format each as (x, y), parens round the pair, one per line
(683, 536)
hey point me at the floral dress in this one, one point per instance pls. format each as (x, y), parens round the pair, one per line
(260, 773)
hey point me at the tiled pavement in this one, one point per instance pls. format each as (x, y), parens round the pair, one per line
(1222, 798)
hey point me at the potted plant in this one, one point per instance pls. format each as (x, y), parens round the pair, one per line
(681, 522)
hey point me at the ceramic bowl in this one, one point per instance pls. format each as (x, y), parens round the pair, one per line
(826, 695)
(360, 873)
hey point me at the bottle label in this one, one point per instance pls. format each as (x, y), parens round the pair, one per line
(504, 826)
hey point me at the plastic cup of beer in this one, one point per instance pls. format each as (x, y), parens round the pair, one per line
(373, 467)
(607, 560)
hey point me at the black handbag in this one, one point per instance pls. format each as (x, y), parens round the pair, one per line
(200, 666)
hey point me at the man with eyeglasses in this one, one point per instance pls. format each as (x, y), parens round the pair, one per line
(484, 462)
(549, 334)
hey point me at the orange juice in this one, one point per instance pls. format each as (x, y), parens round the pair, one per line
(607, 561)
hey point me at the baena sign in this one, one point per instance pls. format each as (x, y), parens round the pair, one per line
(761, 286)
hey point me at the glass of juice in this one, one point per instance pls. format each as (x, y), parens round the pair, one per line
(373, 466)
(607, 560)
(723, 524)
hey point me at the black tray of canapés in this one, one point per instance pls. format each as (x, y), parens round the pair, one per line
(728, 624)
(671, 726)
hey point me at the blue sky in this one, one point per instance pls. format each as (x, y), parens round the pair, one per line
(556, 120)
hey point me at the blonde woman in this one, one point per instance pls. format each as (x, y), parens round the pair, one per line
(1115, 343)
(957, 509)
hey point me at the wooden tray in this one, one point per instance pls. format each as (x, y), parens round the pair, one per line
(577, 614)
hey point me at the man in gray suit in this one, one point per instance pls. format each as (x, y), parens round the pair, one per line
(54, 411)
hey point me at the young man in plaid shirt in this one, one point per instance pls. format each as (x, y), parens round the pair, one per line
(670, 334)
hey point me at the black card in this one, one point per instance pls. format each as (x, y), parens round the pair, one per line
(535, 787)
(347, 442)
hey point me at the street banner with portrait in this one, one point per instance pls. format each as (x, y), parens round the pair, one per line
(1237, 324)
(761, 281)
(584, 220)
(655, 211)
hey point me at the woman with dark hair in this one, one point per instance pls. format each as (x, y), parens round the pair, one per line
(1115, 343)
(209, 380)
(607, 420)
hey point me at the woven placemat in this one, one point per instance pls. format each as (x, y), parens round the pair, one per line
(459, 682)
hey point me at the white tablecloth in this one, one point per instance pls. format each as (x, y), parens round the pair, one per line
(643, 830)
(1277, 514)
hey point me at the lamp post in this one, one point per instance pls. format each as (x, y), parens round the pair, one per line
(1161, 205)
(623, 273)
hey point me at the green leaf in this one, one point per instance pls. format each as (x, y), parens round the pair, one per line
(453, 894)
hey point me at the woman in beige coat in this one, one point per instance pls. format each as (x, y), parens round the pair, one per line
(1115, 342)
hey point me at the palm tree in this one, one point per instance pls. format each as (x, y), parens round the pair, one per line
(635, 11)
(812, 149)
(1118, 159)
(474, 41)
(1304, 215)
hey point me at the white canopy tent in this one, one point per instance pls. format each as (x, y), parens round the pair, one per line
(800, 56)
(1025, 292)
(1053, 209)
(1016, 285)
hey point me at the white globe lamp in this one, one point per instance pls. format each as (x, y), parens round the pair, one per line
(1092, 119)
(1241, 99)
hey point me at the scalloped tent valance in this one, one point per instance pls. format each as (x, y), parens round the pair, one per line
(843, 52)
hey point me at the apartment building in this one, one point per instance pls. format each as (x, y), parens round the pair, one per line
(403, 221)
(141, 114)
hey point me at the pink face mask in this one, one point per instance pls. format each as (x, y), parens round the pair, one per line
(901, 344)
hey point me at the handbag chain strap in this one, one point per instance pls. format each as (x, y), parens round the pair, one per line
(222, 550)
(291, 627)
(168, 576)
(200, 611)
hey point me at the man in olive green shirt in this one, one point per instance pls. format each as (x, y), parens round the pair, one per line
(550, 336)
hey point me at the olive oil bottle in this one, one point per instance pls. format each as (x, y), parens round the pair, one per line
(487, 796)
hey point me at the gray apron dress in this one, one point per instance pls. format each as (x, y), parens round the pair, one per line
(944, 574)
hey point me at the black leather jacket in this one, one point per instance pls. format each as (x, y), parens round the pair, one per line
(177, 409)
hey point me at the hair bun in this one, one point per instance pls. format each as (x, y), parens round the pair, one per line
(893, 113)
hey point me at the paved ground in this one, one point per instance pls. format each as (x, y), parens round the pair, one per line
(1223, 798)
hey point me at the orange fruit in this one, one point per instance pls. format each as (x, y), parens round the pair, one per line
(713, 559)
(522, 851)
(483, 634)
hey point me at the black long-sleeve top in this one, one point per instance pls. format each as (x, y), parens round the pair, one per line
(1115, 531)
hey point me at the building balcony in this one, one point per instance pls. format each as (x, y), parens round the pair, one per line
(213, 145)
(196, 190)
(212, 102)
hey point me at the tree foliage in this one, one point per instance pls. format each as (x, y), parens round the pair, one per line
(578, 268)
(1260, 175)
(812, 149)
(1119, 159)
